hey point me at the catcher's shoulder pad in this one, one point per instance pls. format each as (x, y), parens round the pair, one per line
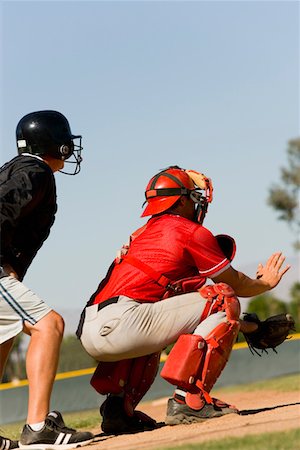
(227, 245)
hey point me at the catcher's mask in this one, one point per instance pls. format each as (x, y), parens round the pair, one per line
(166, 187)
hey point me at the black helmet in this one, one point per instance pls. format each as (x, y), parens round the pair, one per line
(48, 133)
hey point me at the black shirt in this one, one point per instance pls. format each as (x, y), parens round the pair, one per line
(27, 210)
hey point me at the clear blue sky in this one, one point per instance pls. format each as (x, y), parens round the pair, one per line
(211, 86)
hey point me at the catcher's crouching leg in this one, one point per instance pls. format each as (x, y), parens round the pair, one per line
(125, 382)
(194, 365)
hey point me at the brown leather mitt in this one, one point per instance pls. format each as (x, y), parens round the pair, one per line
(270, 333)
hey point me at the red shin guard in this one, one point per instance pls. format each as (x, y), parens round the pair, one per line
(194, 363)
(133, 377)
(142, 375)
(111, 377)
(185, 361)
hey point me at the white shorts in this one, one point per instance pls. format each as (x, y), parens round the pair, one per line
(17, 305)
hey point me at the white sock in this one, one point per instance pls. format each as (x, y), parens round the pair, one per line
(37, 426)
(180, 392)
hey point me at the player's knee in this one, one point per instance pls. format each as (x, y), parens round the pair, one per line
(59, 324)
(223, 298)
(52, 324)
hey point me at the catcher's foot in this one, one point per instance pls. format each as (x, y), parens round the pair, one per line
(8, 444)
(224, 407)
(116, 421)
(181, 413)
(54, 435)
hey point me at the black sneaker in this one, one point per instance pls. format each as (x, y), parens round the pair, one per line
(115, 420)
(54, 435)
(181, 413)
(8, 444)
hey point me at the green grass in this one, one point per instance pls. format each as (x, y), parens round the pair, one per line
(281, 384)
(91, 419)
(288, 440)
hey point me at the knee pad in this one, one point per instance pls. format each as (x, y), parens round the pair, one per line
(220, 297)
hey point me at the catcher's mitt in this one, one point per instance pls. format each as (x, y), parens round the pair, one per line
(270, 333)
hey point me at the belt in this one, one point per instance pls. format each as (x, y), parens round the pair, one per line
(101, 305)
(110, 301)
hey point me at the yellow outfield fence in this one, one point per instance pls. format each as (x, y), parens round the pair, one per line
(90, 370)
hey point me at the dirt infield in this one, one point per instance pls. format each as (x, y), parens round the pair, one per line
(260, 412)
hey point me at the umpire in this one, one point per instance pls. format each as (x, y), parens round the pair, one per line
(28, 208)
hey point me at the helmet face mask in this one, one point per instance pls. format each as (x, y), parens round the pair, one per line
(74, 157)
(201, 205)
(197, 196)
(48, 133)
(168, 186)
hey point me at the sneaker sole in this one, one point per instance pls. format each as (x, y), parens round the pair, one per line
(55, 446)
(118, 432)
(182, 419)
(185, 420)
(229, 411)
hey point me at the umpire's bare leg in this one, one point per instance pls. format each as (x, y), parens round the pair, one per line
(41, 363)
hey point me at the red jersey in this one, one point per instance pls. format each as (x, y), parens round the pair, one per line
(170, 245)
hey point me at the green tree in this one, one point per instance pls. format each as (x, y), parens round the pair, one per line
(266, 305)
(73, 356)
(295, 303)
(15, 368)
(284, 197)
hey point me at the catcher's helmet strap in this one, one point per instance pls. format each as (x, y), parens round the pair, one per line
(167, 175)
(166, 192)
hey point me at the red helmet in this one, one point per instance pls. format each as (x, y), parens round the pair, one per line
(165, 188)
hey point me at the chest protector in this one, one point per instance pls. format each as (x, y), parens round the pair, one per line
(184, 285)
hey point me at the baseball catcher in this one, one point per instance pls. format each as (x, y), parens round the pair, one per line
(154, 294)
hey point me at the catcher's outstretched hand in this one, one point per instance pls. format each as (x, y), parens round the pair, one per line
(272, 272)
